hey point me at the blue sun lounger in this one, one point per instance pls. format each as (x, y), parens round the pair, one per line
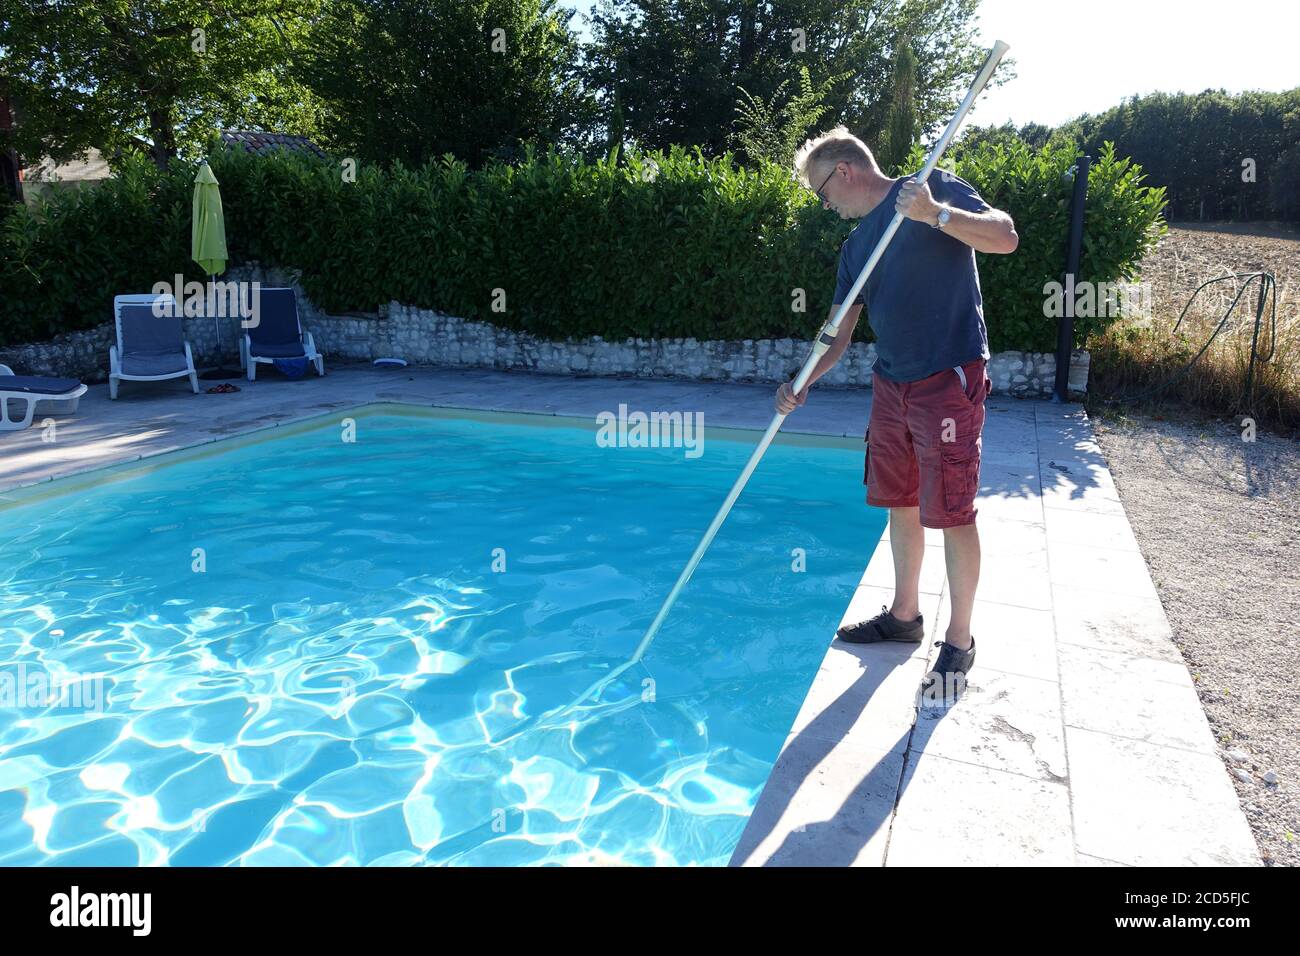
(278, 335)
(57, 396)
(150, 347)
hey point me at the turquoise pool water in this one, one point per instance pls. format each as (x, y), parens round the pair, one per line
(318, 652)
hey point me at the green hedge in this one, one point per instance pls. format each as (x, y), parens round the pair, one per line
(1122, 222)
(618, 248)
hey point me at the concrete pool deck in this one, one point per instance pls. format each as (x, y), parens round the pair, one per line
(1080, 739)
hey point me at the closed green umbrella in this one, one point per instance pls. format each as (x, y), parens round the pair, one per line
(208, 237)
(208, 244)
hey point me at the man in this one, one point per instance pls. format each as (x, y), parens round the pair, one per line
(929, 382)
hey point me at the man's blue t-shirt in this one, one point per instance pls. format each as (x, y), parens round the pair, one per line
(923, 298)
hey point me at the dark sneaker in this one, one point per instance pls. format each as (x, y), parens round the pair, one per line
(884, 627)
(951, 662)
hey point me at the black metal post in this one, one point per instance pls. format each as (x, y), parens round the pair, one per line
(1065, 325)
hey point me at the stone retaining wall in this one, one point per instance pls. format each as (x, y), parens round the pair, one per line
(427, 337)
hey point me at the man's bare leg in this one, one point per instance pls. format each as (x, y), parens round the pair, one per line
(961, 552)
(907, 542)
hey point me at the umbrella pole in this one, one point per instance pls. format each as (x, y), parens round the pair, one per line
(216, 321)
(220, 372)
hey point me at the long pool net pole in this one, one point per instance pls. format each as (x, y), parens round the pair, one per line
(825, 338)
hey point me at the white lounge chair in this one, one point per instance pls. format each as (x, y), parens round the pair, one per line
(278, 334)
(55, 396)
(150, 348)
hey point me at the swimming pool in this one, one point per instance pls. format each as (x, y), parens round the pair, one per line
(314, 651)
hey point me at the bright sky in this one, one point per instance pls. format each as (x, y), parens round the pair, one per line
(1084, 56)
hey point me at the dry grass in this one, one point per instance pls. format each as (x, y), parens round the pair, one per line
(1135, 356)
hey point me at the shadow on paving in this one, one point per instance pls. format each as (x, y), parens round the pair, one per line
(839, 838)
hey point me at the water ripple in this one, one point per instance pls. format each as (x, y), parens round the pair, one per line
(315, 653)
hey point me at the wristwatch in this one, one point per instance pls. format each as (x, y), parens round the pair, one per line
(944, 215)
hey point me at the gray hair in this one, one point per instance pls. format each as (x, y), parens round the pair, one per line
(828, 150)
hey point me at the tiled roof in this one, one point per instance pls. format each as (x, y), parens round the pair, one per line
(258, 142)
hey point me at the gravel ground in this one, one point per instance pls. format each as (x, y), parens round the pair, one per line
(1218, 520)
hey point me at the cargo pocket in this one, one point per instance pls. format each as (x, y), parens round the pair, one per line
(960, 469)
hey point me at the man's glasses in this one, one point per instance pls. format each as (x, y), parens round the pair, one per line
(823, 186)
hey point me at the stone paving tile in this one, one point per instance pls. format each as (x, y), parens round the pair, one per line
(1063, 425)
(1070, 526)
(1020, 581)
(1093, 618)
(1016, 640)
(1014, 570)
(825, 804)
(1115, 571)
(18, 471)
(1012, 539)
(1135, 697)
(1001, 721)
(1145, 805)
(1080, 457)
(1009, 405)
(1065, 492)
(864, 694)
(1017, 506)
(952, 813)
(1017, 423)
(1011, 440)
(1009, 475)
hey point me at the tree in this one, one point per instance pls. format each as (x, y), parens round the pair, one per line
(681, 65)
(1034, 135)
(411, 80)
(900, 126)
(1220, 155)
(155, 75)
(1284, 192)
(766, 131)
(617, 126)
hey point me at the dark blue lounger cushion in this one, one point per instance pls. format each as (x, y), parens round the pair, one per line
(38, 385)
(276, 334)
(151, 345)
(288, 350)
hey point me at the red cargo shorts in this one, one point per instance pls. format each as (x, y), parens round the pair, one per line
(923, 444)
